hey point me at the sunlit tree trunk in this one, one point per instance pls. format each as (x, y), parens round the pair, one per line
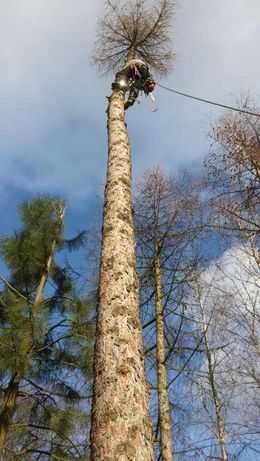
(164, 407)
(44, 278)
(121, 428)
(45, 274)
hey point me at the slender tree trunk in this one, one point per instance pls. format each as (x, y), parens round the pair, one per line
(220, 425)
(12, 391)
(40, 289)
(46, 272)
(121, 428)
(164, 407)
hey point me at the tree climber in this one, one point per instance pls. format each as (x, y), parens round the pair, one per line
(134, 77)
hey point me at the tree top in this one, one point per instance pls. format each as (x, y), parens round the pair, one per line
(135, 28)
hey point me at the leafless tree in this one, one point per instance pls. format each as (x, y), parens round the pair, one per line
(233, 168)
(136, 28)
(225, 374)
(168, 222)
(210, 320)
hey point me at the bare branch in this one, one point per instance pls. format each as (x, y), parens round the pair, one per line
(139, 28)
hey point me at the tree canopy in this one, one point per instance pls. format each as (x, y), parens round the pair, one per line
(135, 28)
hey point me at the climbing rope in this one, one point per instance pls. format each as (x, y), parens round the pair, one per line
(208, 101)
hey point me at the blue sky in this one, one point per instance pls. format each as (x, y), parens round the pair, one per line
(52, 100)
(52, 128)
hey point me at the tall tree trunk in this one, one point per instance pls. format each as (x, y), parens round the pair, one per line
(164, 407)
(220, 425)
(12, 390)
(121, 428)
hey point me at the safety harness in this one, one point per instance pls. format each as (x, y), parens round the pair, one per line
(135, 77)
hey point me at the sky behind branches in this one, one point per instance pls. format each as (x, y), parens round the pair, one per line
(53, 128)
(52, 124)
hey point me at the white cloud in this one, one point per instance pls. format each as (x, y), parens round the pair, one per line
(49, 130)
(52, 129)
(230, 297)
(237, 274)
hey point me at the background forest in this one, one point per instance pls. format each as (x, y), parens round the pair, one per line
(196, 215)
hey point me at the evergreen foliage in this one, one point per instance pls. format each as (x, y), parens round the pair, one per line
(45, 341)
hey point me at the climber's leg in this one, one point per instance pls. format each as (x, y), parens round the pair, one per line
(133, 95)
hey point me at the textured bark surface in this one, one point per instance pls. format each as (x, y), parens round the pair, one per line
(164, 407)
(121, 428)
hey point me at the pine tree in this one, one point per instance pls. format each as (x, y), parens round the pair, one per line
(44, 334)
(120, 423)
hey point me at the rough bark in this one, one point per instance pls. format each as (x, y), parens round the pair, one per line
(164, 407)
(121, 428)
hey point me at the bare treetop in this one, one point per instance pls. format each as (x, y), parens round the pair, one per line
(135, 28)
